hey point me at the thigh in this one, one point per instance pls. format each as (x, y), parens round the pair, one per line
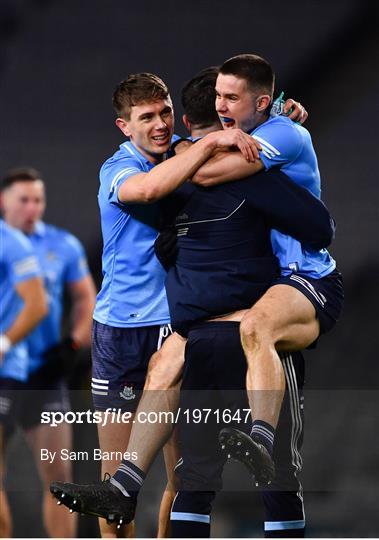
(285, 317)
(42, 394)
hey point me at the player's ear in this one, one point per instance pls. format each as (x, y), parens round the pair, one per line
(186, 122)
(263, 102)
(122, 124)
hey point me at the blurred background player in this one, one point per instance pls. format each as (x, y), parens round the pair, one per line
(50, 358)
(23, 305)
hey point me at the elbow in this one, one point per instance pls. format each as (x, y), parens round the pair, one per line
(150, 195)
(201, 179)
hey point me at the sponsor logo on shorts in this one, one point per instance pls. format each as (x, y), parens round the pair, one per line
(127, 393)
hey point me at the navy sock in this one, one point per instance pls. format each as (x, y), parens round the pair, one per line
(128, 478)
(263, 433)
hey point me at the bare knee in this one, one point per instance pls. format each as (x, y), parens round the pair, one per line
(255, 328)
(157, 378)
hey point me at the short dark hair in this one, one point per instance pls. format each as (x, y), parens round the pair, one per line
(199, 96)
(19, 174)
(136, 89)
(256, 71)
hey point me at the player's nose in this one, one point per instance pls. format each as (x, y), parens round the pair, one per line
(221, 105)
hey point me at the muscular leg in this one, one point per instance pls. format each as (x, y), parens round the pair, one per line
(161, 393)
(57, 523)
(282, 320)
(114, 437)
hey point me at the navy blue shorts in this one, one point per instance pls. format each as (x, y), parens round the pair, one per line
(326, 294)
(120, 358)
(21, 403)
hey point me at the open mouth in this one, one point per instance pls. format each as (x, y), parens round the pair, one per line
(161, 139)
(227, 122)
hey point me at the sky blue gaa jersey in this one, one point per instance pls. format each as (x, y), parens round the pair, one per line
(17, 264)
(132, 292)
(62, 259)
(288, 145)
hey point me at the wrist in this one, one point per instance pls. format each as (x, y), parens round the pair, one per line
(209, 142)
(5, 344)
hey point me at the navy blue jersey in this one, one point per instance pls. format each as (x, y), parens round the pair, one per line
(225, 260)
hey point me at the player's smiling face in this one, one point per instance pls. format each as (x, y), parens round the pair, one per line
(235, 103)
(150, 128)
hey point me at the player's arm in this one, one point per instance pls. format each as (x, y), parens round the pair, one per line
(169, 175)
(225, 166)
(290, 208)
(31, 291)
(279, 145)
(83, 298)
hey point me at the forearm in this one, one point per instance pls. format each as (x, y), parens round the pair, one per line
(83, 304)
(82, 324)
(225, 166)
(167, 176)
(33, 311)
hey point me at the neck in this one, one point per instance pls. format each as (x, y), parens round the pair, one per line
(153, 158)
(202, 131)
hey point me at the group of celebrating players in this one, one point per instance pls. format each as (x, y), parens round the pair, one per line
(212, 314)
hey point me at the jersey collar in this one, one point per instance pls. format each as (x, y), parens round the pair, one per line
(132, 151)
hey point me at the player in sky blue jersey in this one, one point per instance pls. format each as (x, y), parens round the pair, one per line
(295, 310)
(22, 306)
(63, 263)
(131, 315)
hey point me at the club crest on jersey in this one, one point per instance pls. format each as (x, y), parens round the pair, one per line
(127, 393)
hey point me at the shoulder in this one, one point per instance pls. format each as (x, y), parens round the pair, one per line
(14, 239)
(63, 240)
(125, 156)
(280, 136)
(124, 163)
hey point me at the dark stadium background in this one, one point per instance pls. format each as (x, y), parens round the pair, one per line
(59, 63)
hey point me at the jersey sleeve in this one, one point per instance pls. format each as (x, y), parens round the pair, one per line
(113, 175)
(291, 209)
(22, 262)
(76, 264)
(281, 143)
